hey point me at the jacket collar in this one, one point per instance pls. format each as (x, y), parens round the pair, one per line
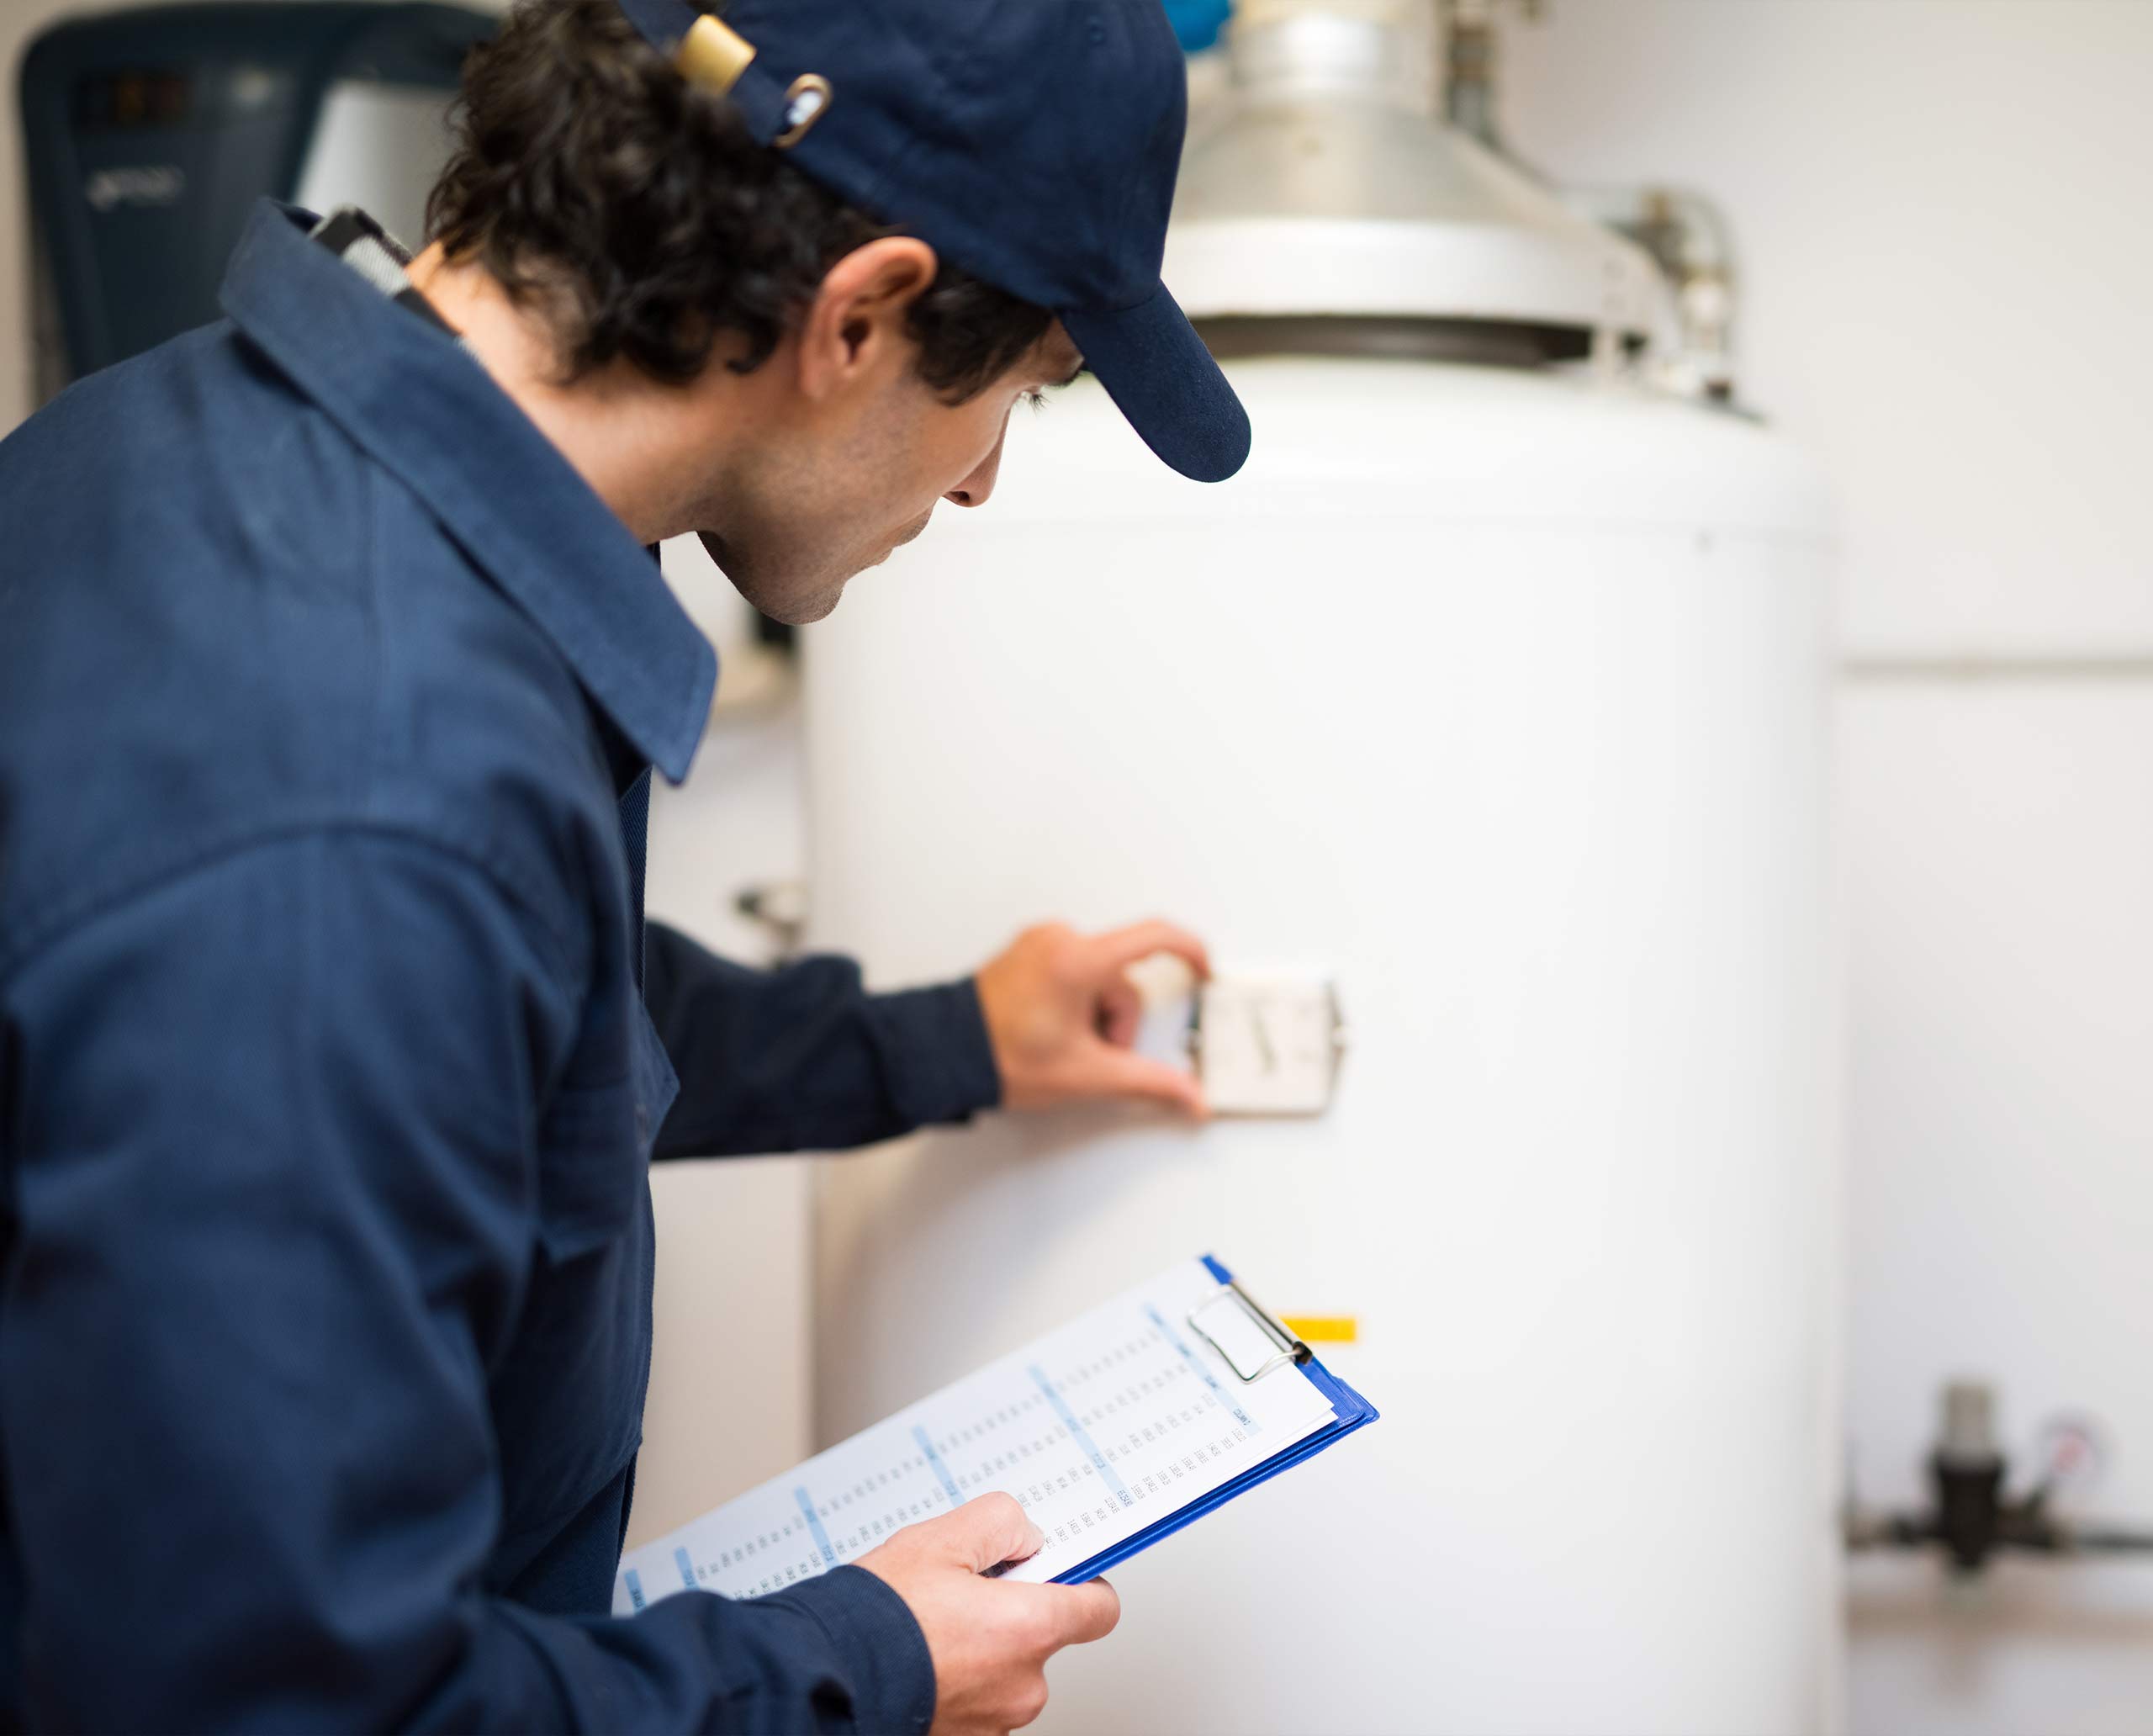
(428, 413)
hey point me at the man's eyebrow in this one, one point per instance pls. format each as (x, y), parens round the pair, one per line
(1070, 377)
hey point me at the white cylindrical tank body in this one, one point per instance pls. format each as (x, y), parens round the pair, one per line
(1497, 697)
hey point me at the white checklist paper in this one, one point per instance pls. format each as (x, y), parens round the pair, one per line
(1099, 1430)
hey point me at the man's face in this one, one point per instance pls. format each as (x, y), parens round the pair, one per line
(832, 493)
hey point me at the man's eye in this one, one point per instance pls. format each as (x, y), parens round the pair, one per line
(1036, 399)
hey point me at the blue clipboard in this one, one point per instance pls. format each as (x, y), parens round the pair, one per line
(1294, 1360)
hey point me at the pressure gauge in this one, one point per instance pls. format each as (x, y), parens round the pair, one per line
(1267, 1045)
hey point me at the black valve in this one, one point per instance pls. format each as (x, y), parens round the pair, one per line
(1973, 1517)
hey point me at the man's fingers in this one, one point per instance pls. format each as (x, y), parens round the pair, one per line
(1121, 1012)
(1083, 1613)
(989, 1530)
(1120, 948)
(1121, 1072)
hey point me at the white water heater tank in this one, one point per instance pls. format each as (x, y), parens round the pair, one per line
(1492, 694)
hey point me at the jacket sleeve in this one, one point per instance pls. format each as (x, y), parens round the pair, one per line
(273, 1210)
(803, 1058)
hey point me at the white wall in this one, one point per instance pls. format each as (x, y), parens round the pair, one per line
(2002, 1193)
(1940, 210)
(1939, 213)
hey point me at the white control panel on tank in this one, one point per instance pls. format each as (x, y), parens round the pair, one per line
(1267, 1045)
(1264, 1042)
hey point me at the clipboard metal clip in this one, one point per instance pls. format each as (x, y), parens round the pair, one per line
(1283, 1347)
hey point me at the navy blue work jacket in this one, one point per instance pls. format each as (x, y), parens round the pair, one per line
(333, 1052)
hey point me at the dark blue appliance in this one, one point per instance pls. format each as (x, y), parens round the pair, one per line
(149, 133)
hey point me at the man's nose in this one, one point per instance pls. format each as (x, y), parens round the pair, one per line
(974, 489)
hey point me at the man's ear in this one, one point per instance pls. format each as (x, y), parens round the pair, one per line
(856, 322)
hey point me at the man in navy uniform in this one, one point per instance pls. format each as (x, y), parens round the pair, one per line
(334, 667)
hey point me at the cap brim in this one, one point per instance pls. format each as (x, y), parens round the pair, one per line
(1161, 377)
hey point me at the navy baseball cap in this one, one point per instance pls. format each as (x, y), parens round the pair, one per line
(1034, 143)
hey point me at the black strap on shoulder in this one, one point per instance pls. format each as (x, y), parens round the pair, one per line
(349, 228)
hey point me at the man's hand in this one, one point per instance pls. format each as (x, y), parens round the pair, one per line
(1061, 1013)
(990, 1639)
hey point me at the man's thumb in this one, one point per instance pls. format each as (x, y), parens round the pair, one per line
(990, 1529)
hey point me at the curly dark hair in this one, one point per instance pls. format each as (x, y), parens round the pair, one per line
(590, 179)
